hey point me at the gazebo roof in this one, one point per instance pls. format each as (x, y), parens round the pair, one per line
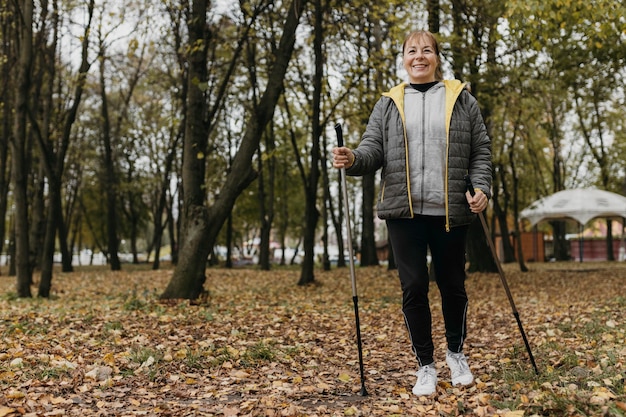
(581, 205)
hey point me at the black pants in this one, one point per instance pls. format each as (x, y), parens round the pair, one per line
(410, 239)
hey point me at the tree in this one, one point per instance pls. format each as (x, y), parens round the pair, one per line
(18, 143)
(201, 224)
(572, 50)
(473, 42)
(7, 28)
(54, 151)
(311, 214)
(109, 179)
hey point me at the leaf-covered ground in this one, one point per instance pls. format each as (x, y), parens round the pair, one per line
(262, 346)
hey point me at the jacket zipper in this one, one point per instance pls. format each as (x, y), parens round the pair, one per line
(423, 163)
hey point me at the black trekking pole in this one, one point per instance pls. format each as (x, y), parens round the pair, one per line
(470, 188)
(355, 297)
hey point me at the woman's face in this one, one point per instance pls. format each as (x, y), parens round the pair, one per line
(420, 60)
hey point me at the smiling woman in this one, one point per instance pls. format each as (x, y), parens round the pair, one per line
(427, 135)
(420, 55)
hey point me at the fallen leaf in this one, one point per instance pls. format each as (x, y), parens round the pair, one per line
(5, 411)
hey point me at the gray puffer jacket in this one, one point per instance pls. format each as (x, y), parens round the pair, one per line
(384, 145)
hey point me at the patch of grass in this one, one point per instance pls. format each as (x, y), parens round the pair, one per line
(142, 354)
(25, 327)
(260, 352)
(52, 373)
(206, 315)
(112, 326)
(133, 303)
(11, 296)
(194, 359)
(220, 356)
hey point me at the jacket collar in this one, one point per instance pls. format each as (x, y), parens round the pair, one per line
(453, 90)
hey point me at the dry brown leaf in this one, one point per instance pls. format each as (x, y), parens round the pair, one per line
(6, 411)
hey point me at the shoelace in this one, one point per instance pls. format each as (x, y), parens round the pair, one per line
(425, 376)
(461, 366)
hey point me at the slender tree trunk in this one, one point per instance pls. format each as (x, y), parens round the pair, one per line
(161, 208)
(518, 233)
(610, 255)
(6, 96)
(173, 229)
(326, 207)
(264, 255)
(369, 256)
(110, 177)
(561, 247)
(284, 213)
(37, 219)
(18, 148)
(311, 214)
(434, 10)
(501, 216)
(229, 241)
(54, 212)
(12, 250)
(54, 163)
(188, 279)
(338, 222)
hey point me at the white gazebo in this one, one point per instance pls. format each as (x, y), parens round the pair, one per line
(581, 205)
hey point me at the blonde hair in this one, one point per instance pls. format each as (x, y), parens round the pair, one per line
(428, 36)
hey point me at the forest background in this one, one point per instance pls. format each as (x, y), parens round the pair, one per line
(195, 125)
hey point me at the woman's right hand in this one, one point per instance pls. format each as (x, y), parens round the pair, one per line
(342, 157)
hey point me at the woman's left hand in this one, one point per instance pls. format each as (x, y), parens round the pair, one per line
(478, 202)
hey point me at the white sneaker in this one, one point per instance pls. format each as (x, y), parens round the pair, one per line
(461, 374)
(426, 380)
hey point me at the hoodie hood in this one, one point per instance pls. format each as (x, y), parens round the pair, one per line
(453, 90)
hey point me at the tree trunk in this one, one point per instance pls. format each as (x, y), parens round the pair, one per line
(110, 177)
(311, 216)
(265, 214)
(200, 226)
(47, 256)
(54, 163)
(311, 213)
(229, 241)
(338, 223)
(18, 148)
(433, 15)
(501, 215)
(284, 213)
(37, 208)
(610, 255)
(6, 96)
(369, 256)
(173, 229)
(478, 252)
(326, 206)
(561, 248)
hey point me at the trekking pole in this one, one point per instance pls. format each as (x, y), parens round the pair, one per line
(470, 188)
(355, 297)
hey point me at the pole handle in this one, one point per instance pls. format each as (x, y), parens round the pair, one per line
(339, 135)
(468, 184)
